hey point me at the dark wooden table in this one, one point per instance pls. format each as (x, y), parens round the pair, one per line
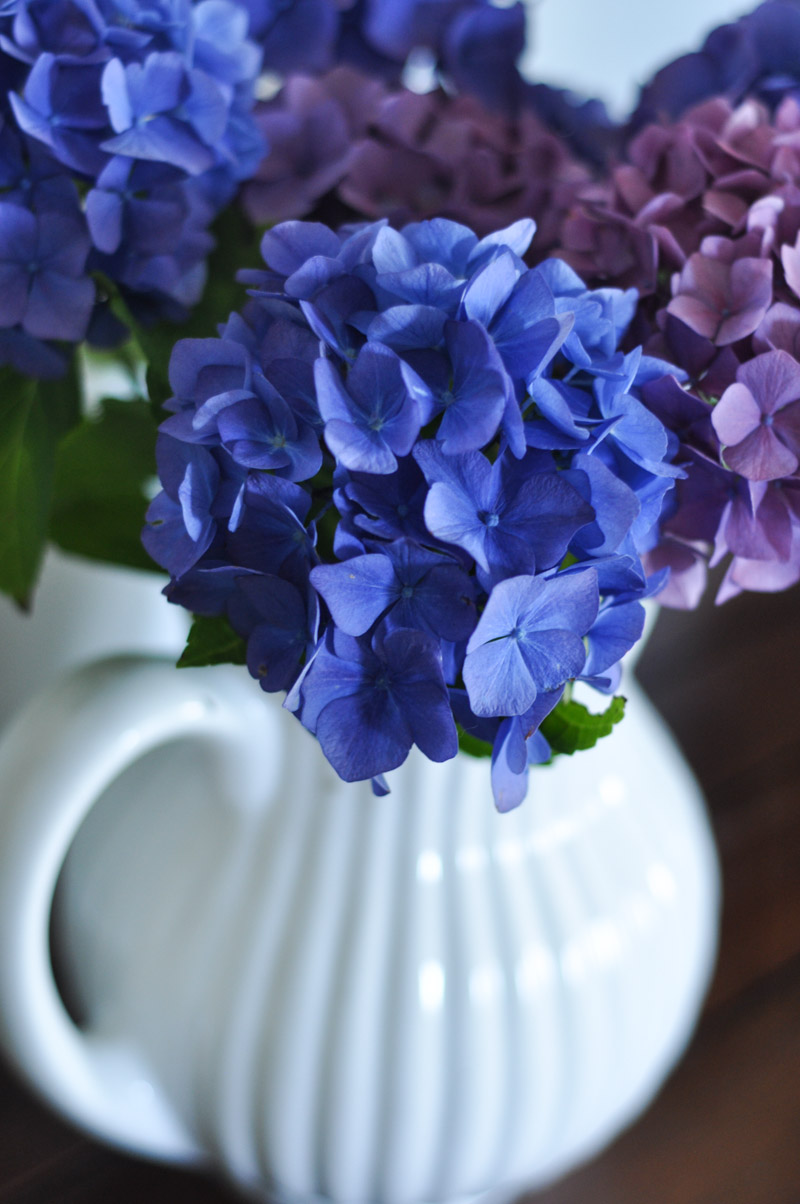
(726, 1127)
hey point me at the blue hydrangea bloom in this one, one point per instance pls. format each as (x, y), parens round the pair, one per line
(514, 750)
(143, 107)
(432, 481)
(281, 623)
(474, 44)
(528, 639)
(372, 420)
(405, 584)
(43, 287)
(392, 689)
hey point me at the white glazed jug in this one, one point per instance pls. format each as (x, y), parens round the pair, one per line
(326, 994)
(82, 609)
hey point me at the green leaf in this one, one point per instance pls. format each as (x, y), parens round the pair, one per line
(103, 470)
(212, 642)
(34, 415)
(571, 727)
(471, 744)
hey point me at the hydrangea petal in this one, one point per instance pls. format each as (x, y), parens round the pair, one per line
(498, 678)
(761, 456)
(357, 591)
(736, 414)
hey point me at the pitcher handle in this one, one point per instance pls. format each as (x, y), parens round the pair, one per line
(56, 759)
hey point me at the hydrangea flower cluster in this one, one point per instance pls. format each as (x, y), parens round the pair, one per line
(417, 478)
(473, 43)
(473, 46)
(125, 127)
(704, 219)
(408, 156)
(757, 56)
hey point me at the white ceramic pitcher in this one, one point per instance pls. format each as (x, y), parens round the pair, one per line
(82, 609)
(326, 994)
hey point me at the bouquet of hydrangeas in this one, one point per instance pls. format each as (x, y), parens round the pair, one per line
(507, 368)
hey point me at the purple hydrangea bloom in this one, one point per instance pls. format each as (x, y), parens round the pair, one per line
(311, 129)
(757, 418)
(758, 55)
(388, 152)
(375, 525)
(702, 218)
(723, 302)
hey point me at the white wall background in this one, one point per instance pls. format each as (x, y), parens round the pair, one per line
(607, 48)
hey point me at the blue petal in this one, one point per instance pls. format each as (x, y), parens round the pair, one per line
(497, 678)
(509, 767)
(114, 89)
(490, 289)
(517, 237)
(404, 327)
(615, 504)
(332, 397)
(391, 252)
(443, 602)
(614, 632)
(288, 246)
(425, 284)
(364, 735)
(356, 591)
(329, 677)
(480, 389)
(568, 601)
(358, 449)
(452, 515)
(552, 657)
(439, 240)
(418, 685)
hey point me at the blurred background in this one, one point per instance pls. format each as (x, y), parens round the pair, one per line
(608, 49)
